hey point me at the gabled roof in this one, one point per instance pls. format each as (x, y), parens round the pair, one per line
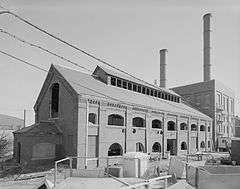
(41, 128)
(90, 87)
(133, 79)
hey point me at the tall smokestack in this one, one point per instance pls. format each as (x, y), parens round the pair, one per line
(206, 47)
(163, 68)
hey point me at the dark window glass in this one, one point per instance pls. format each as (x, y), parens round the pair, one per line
(193, 127)
(139, 89)
(157, 124)
(119, 83)
(55, 100)
(155, 93)
(113, 81)
(171, 126)
(139, 147)
(129, 86)
(134, 87)
(151, 93)
(183, 146)
(115, 119)
(202, 128)
(159, 94)
(183, 126)
(143, 90)
(92, 118)
(115, 150)
(124, 84)
(138, 122)
(209, 129)
(156, 147)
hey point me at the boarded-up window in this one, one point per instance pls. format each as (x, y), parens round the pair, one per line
(92, 146)
(43, 151)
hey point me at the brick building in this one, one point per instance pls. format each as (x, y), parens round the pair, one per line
(215, 100)
(108, 114)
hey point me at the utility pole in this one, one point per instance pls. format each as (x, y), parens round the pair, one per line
(24, 118)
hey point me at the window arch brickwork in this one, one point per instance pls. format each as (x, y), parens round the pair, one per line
(193, 127)
(115, 119)
(171, 126)
(202, 127)
(156, 147)
(115, 150)
(138, 122)
(183, 126)
(157, 124)
(183, 146)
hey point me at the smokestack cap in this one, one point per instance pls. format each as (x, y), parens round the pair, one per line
(207, 15)
(163, 50)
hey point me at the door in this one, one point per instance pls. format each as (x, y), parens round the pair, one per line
(18, 152)
(172, 146)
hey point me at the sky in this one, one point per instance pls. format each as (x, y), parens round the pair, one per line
(127, 34)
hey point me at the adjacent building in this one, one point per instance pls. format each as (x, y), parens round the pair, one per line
(108, 114)
(237, 126)
(217, 101)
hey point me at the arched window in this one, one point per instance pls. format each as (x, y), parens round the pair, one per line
(171, 125)
(156, 124)
(156, 147)
(209, 129)
(183, 126)
(193, 127)
(202, 128)
(183, 146)
(139, 147)
(202, 145)
(54, 100)
(138, 122)
(92, 118)
(115, 150)
(115, 119)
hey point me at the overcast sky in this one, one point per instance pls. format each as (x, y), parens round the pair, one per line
(128, 34)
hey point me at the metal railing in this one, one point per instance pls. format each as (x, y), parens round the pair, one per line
(101, 163)
(147, 183)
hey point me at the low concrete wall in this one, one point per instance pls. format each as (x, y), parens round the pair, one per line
(220, 177)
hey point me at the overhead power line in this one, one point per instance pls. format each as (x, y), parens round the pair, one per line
(102, 95)
(43, 49)
(14, 57)
(72, 46)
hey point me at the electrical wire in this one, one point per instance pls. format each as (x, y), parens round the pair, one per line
(75, 47)
(43, 49)
(102, 94)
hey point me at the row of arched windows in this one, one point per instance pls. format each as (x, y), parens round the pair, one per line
(118, 120)
(116, 149)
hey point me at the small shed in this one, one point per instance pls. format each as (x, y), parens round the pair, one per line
(38, 143)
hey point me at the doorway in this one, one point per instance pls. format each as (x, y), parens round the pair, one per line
(172, 146)
(18, 152)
